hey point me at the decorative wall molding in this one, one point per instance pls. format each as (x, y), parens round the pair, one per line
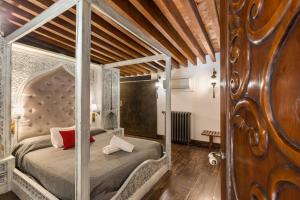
(49, 54)
(17, 96)
(111, 98)
(2, 140)
(26, 188)
(143, 173)
(26, 66)
(29, 62)
(5, 98)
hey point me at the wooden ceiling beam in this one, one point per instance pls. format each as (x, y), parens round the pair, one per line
(34, 42)
(69, 16)
(104, 26)
(153, 14)
(44, 17)
(62, 46)
(99, 23)
(72, 12)
(120, 36)
(188, 9)
(122, 74)
(34, 9)
(213, 15)
(136, 39)
(71, 37)
(126, 72)
(149, 49)
(171, 12)
(107, 28)
(140, 69)
(132, 71)
(62, 42)
(144, 66)
(131, 67)
(49, 34)
(136, 71)
(62, 28)
(127, 10)
(111, 28)
(112, 41)
(50, 38)
(120, 53)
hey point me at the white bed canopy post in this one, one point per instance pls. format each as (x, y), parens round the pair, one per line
(53, 11)
(82, 99)
(168, 68)
(6, 96)
(104, 7)
(168, 109)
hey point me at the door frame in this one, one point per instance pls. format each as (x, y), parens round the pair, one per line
(226, 192)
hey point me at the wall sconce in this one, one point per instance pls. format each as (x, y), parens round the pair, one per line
(18, 113)
(213, 82)
(95, 111)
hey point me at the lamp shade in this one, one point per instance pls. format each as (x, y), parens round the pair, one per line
(94, 107)
(18, 112)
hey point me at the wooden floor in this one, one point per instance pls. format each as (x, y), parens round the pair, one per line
(8, 196)
(191, 178)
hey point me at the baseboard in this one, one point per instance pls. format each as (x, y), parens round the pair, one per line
(199, 143)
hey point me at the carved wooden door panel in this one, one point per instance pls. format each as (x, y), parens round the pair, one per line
(263, 71)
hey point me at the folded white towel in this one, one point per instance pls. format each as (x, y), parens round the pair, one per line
(109, 149)
(121, 143)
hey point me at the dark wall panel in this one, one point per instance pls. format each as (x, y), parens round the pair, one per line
(139, 108)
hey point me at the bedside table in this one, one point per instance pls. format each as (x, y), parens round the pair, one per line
(7, 166)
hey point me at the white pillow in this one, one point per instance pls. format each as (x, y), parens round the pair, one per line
(56, 139)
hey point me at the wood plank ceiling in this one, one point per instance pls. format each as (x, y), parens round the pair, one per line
(189, 29)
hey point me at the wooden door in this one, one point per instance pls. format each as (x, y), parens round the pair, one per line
(139, 108)
(261, 99)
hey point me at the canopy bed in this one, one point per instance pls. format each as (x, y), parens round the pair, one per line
(45, 172)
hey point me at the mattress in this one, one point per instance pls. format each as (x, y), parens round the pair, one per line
(54, 168)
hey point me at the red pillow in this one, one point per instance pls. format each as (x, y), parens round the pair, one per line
(69, 138)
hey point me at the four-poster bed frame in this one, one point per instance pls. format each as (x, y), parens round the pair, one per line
(145, 175)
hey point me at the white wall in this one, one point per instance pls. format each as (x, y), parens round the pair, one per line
(204, 108)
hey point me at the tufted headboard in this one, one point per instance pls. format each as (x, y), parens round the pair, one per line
(48, 101)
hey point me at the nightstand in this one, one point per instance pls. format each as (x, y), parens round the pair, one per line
(7, 166)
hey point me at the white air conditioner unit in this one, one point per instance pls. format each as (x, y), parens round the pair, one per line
(180, 84)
